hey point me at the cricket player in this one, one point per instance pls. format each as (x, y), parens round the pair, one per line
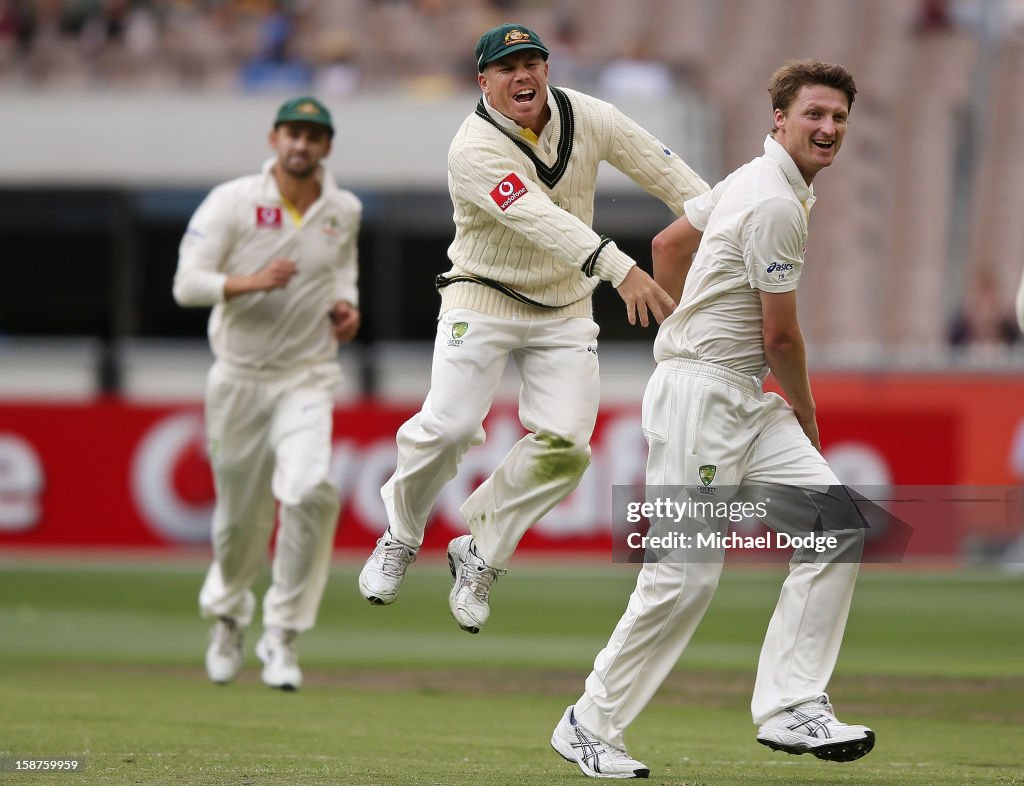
(521, 173)
(275, 255)
(706, 417)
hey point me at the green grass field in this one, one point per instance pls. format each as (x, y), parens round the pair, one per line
(103, 661)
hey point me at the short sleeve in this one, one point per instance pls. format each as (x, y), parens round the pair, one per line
(698, 210)
(774, 248)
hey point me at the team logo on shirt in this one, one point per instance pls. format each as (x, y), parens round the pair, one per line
(508, 191)
(269, 217)
(707, 473)
(458, 331)
(331, 228)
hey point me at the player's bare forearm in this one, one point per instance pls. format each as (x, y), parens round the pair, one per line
(672, 252)
(787, 358)
(274, 275)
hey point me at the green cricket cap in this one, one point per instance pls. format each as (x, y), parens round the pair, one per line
(304, 109)
(505, 39)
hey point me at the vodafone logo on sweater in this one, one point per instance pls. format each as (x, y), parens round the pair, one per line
(508, 191)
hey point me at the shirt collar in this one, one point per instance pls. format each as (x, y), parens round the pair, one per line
(268, 183)
(515, 129)
(778, 154)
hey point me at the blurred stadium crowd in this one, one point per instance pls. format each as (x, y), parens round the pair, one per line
(917, 245)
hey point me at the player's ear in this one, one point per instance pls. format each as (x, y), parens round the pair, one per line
(272, 137)
(481, 79)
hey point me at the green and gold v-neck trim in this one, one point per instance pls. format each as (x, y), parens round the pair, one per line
(548, 175)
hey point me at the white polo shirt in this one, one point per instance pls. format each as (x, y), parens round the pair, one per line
(238, 229)
(755, 235)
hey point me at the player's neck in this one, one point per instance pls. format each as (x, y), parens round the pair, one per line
(299, 192)
(538, 125)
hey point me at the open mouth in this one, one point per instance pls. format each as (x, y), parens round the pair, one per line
(524, 96)
(824, 144)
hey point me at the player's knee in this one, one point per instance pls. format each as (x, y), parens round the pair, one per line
(320, 497)
(849, 545)
(703, 583)
(230, 472)
(698, 586)
(454, 433)
(559, 459)
(680, 588)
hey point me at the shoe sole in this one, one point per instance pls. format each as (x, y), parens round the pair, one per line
(467, 628)
(375, 599)
(850, 750)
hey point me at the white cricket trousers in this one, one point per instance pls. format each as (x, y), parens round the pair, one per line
(696, 414)
(270, 438)
(558, 400)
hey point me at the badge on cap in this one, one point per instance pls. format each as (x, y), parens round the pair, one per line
(515, 37)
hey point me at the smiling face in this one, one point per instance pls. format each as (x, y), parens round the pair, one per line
(517, 86)
(300, 147)
(813, 127)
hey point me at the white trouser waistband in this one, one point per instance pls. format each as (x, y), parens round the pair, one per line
(748, 383)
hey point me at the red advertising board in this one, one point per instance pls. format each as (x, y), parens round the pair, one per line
(115, 474)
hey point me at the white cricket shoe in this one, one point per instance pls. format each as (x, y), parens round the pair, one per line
(276, 648)
(471, 590)
(812, 727)
(596, 758)
(224, 658)
(382, 575)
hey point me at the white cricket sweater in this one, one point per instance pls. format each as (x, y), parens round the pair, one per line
(523, 216)
(240, 227)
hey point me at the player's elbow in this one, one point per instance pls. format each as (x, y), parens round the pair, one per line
(666, 256)
(664, 246)
(781, 341)
(186, 293)
(182, 295)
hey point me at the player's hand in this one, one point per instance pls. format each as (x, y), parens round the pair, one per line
(641, 294)
(809, 424)
(275, 275)
(346, 319)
